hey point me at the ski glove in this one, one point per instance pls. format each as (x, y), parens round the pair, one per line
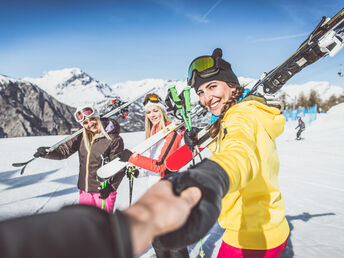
(190, 138)
(41, 152)
(105, 192)
(125, 155)
(213, 182)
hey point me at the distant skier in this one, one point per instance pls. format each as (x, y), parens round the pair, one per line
(301, 126)
(100, 142)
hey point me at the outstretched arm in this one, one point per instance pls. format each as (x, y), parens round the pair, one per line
(87, 231)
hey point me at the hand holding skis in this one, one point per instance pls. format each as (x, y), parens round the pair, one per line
(190, 138)
(41, 152)
(125, 155)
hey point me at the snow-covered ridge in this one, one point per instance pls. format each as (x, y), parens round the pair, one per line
(72, 86)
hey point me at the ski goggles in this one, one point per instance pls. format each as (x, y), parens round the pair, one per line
(83, 113)
(204, 67)
(152, 98)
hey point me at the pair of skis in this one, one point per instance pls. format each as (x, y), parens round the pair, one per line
(119, 108)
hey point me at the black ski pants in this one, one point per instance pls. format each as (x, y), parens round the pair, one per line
(172, 253)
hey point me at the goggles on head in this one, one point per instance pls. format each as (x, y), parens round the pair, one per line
(204, 67)
(152, 98)
(81, 114)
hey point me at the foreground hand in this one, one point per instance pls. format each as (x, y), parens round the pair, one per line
(159, 211)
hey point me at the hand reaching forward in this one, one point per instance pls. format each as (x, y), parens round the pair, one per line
(159, 211)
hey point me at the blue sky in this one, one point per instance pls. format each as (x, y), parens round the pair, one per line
(116, 41)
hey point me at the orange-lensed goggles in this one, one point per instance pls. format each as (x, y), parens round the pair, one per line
(152, 98)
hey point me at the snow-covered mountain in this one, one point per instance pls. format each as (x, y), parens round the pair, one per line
(26, 109)
(72, 86)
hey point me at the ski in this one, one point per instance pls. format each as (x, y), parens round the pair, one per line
(116, 165)
(326, 39)
(119, 108)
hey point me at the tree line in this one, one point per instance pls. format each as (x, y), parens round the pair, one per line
(304, 101)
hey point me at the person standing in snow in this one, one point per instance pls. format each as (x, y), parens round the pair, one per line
(99, 143)
(239, 183)
(154, 167)
(301, 126)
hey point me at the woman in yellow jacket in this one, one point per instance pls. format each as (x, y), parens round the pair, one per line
(239, 183)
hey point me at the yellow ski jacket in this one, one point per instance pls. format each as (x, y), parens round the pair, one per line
(253, 210)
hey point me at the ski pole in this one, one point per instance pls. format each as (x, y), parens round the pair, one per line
(130, 172)
(103, 200)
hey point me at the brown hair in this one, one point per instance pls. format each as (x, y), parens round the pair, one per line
(236, 94)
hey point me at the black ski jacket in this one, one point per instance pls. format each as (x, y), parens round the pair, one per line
(76, 231)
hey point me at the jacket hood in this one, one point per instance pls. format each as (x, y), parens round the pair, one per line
(271, 118)
(111, 126)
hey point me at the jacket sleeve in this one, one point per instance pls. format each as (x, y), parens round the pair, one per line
(116, 147)
(75, 231)
(238, 156)
(158, 166)
(66, 149)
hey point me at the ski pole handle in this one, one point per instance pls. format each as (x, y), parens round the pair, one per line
(175, 96)
(176, 99)
(187, 103)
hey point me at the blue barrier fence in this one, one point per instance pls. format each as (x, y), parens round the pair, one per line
(307, 114)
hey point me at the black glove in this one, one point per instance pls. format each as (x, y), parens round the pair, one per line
(41, 152)
(104, 192)
(124, 155)
(190, 138)
(213, 182)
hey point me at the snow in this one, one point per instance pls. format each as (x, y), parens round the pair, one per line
(311, 180)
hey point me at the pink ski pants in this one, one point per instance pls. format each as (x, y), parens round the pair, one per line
(93, 199)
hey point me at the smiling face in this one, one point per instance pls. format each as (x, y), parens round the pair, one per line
(91, 124)
(154, 114)
(214, 95)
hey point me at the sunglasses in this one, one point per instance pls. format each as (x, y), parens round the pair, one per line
(204, 67)
(84, 113)
(151, 98)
